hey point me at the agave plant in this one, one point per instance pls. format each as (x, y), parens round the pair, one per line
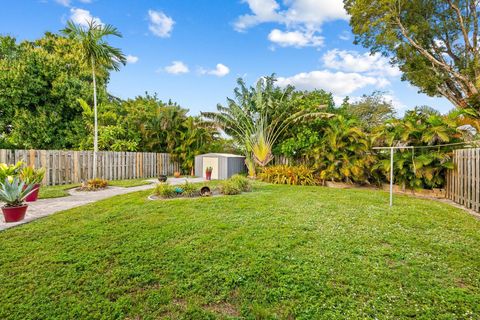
(13, 191)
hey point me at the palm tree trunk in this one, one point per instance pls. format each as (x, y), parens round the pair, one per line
(95, 130)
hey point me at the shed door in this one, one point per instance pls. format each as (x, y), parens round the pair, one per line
(210, 162)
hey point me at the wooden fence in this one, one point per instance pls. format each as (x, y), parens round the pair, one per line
(65, 167)
(463, 182)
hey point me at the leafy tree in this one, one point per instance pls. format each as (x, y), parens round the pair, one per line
(372, 110)
(96, 52)
(301, 137)
(434, 43)
(195, 138)
(39, 84)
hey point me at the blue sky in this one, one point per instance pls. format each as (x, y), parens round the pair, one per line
(192, 51)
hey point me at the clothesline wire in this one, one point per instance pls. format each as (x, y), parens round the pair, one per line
(425, 147)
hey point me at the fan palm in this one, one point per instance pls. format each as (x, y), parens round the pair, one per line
(96, 52)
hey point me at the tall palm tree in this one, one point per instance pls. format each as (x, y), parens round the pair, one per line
(96, 52)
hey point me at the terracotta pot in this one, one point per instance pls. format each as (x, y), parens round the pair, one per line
(33, 196)
(176, 174)
(14, 214)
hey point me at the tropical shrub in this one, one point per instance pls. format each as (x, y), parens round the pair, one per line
(242, 182)
(421, 167)
(30, 175)
(11, 170)
(292, 175)
(13, 191)
(190, 189)
(344, 154)
(230, 187)
(165, 190)
(94, 184)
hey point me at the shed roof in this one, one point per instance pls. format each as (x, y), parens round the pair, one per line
(226, 155)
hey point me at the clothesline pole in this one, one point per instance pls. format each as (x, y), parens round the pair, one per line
(391, 177)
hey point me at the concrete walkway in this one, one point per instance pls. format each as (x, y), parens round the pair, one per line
(42, 208)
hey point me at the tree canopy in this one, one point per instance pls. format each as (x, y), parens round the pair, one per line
(434, 43)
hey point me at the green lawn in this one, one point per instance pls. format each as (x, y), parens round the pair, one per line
(279, 252)
(128, 183)
(55, 191)
(62, 190)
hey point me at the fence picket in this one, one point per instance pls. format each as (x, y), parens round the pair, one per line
(463, 182)
(65, 167)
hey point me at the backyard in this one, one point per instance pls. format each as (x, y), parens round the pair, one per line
(277, 252)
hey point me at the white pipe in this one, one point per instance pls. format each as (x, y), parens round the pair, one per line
(391, 176)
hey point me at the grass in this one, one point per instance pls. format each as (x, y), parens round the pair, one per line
(280, 252)
(128, 183)
(47, 192)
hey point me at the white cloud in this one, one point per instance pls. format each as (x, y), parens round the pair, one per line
(295, 39)
(300, 18)
(83, 17)
(309, 13)
(339, 83)
(220, 70)
(177, 67)
(345, 36)
(65, 3)
(160, 25)
(132, 59)
(353, 61)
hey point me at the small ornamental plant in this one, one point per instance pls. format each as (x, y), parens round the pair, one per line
(208, 173)
(34, 177)
(165, 190)
(13, 193)
(94, 185)
(30, 175)
(12, 170)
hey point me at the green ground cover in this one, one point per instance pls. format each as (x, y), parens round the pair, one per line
(280, 252)
(62, 190)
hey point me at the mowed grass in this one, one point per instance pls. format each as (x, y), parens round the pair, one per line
(47, 192)
(279, 252)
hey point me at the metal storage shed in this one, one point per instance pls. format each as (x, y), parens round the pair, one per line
(224, 165)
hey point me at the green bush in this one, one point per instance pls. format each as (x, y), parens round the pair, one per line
(165, 190)
(292, 175)
(242, 182)
(229, 187)
(190, 189)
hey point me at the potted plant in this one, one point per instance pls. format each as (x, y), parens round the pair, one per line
(33, 177)
(177, 174)
(208, 173)
(10, 170)
(13, 192)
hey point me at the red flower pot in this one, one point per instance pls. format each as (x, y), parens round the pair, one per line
(14, 214)
(33, 196)
(208, 175)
